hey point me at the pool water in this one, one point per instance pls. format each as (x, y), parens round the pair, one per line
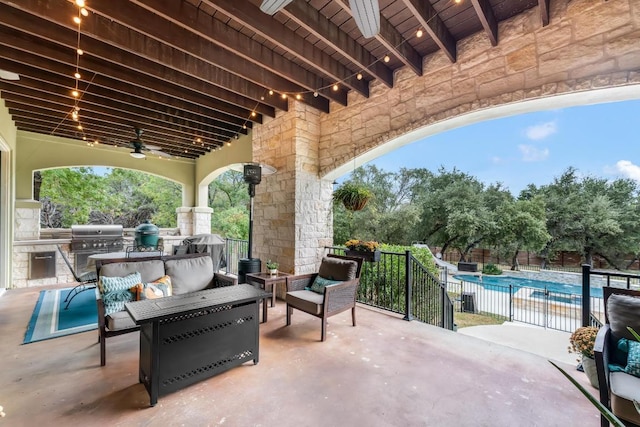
(501, 284)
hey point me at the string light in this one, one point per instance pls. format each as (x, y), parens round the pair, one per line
(387, 58)
(335, 87)
(419, 33)
(359, 76)
(298, 97)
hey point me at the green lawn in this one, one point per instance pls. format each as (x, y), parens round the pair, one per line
(464, 320)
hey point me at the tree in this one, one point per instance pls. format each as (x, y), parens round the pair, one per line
(521, 225)
(229, 198)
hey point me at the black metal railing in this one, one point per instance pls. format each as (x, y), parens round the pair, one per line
(234, 250)
(591, 314)
(401, 284)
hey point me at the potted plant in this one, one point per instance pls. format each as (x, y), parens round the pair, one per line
(369, 250)
(353, 196)
(272, 267)
(581, 342)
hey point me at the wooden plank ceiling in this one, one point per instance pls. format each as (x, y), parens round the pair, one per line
(196, 74)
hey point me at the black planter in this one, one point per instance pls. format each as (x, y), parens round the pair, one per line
(366, 255)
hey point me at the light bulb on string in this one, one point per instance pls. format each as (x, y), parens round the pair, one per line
(270, 92)
(335, 87)
(359, 76)
(84, 12)
(80, 3)
(77, 75)
(77, 20)
(284, 96)
(387, 58)
(75, 93)
(419, 33)
(315, 94)
(298, 97)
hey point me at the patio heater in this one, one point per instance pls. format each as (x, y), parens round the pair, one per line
(252, 174)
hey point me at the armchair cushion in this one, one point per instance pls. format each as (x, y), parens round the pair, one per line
(624, 389)
(338, 269)
(307, 301)
(115, 291)
(320, 282)
(622, 311)
(149, 269)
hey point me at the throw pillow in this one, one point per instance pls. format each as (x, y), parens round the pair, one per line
(157, 289)
(338, 269)
(320, 282)
(622, 311)
(632, 348)
(115, 291)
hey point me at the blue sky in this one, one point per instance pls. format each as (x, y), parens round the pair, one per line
(600, 140)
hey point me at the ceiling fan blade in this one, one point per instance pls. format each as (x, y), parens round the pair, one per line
(8, 75)
(160, 153)
(366, 13)
(272, 6)
(151, 147)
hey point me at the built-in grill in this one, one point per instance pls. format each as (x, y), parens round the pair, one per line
(90, 239)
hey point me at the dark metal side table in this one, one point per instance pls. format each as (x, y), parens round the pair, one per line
(187, 338)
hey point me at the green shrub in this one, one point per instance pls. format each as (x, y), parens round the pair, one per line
(491, 269)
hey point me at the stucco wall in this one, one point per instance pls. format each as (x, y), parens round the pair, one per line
(588, 45)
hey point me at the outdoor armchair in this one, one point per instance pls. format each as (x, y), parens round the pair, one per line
(330, 291)
(617, 385)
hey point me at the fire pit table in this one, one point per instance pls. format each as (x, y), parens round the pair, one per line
(187, 338)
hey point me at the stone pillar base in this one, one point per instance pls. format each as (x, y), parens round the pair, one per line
(195, 220)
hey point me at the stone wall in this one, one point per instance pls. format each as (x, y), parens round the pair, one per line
(292, 219)
(588, 45)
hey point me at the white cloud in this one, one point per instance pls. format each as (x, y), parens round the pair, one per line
(541, 131)
(496, 160)
(533, 154)
(628, 169)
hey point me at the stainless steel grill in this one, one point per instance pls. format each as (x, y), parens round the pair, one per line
(96, 238)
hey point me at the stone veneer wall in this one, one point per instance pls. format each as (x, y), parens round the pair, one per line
(292, 215)
(587, 45)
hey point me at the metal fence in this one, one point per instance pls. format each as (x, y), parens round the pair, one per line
(535, 306)
(235, 249)
(401, 284)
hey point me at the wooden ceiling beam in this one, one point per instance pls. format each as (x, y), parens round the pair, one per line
(31, 125)
(393, 41)
(13, 91)
(252, 17)
(487, 19)
(116, 43)
(234, 43)
(318, 25)
(66, 64)
(433, 25)
(35, 67)
(122, 129)
(120, 65)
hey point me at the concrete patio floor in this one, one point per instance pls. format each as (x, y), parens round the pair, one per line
(384, 372)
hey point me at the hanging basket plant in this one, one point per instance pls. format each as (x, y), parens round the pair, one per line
(354, 197)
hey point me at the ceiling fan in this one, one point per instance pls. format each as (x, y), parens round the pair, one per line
(139, 146)
(366, 13)
(8, 75)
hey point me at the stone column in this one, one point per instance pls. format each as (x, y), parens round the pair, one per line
(195, 220)
(27, 220)
(293, 213)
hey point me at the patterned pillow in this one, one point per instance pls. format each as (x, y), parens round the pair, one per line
(157, 289)
(632, 348)
(320, 282)
(115, 291)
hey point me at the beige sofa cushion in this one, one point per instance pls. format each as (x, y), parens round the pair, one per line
(624, 389)
(189, 274)
(149, 270)
(119, 320)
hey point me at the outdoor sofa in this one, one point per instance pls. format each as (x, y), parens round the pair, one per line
(116, 277)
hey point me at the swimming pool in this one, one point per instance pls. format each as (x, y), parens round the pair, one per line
(501, 284)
